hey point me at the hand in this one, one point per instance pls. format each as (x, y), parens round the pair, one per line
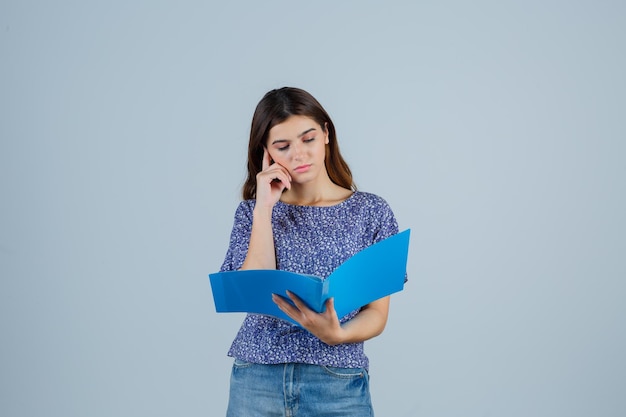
(271, 182)
(324, 325)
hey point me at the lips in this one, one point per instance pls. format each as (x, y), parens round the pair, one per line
(302, 168)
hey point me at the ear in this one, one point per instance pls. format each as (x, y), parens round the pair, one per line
(327, 141)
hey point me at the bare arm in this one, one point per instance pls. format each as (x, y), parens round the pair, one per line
(369, 323)
(261, 253)
(271, 182)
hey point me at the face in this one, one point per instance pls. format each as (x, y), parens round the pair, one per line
(299, 145)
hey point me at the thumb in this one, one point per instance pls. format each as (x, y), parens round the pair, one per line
(330, 306)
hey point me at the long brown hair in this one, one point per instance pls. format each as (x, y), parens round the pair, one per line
(276, 107)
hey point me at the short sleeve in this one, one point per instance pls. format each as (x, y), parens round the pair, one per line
(239, 237)
(386, 223)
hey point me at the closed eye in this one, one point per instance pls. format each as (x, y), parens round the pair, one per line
(285, 147)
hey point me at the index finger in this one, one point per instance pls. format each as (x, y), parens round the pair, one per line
(299, 303)
(265, 164)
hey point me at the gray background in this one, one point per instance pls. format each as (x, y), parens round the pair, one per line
(495, 129)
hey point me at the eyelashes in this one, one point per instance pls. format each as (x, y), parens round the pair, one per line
(284, 148)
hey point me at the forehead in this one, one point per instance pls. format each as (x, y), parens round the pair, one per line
(292, 127)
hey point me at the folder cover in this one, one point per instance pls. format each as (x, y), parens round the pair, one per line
(375, 272)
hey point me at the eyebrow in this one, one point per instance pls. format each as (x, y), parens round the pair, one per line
(300, 135)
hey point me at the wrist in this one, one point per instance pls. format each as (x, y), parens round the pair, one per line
(261, 211)
(337, 338)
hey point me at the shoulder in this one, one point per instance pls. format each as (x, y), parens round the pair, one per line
(369, 199)
(244, 210)
(371, 206)
(246, 205)
(377, 214)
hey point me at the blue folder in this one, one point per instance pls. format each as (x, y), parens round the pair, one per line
(375, 272)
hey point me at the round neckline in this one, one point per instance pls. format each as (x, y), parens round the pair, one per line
(351, 196)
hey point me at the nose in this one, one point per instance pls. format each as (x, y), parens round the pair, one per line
(298, 151)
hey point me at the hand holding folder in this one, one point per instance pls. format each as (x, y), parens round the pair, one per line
(375, 272)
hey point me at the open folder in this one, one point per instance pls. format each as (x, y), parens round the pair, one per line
(373, 273)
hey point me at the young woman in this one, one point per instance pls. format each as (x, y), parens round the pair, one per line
(301, 213)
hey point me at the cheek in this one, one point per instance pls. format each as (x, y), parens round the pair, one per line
(275, 155)
(324, 151)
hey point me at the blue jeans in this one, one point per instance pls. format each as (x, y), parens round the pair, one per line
(298, 390)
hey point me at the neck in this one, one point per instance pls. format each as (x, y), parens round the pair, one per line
(323, 193)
